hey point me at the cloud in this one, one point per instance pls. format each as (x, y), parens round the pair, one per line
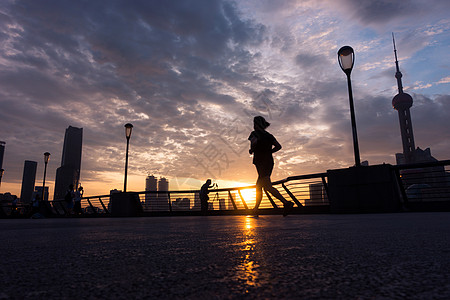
(444, 80)
(383, 13)
(191, 75)
(97, 66)
(308, 61)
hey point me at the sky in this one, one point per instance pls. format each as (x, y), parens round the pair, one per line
(190, 75)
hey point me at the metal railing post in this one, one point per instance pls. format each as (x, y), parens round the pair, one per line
(92, 206)
(103, 205)
(270, 199)
(242, 198)
(232, 200)
(170, 204)
(325, 185)
(291, 195)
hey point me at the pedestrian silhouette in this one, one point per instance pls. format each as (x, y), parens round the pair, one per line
(77, 201)
(204, 195)
(35, 203)
(262, 145)
(68, 198)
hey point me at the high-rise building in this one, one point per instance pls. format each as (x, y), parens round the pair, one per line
(163, 184)
(28, 181)
(69, 172)
(151, 185)
(2, 152)
(163, 198)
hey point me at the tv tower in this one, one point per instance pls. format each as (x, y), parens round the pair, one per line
(402, 102)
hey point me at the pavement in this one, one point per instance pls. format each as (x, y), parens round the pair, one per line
(360, 256)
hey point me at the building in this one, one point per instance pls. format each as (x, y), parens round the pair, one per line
(151, 185)
(181, 204)
(2, 152)
(163, 198)
(28, 181)
(69, 172)
(159, 199)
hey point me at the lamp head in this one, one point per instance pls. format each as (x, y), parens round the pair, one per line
(346, 58)
(128, 129)
(46, 157)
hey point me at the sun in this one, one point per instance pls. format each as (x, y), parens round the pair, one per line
(249, 196)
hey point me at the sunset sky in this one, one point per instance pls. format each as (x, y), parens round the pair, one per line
(191, 75)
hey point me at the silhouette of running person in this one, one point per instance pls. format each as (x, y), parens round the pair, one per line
(262, 145)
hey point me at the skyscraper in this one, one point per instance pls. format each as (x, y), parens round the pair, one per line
(28, 181)
(2, 152)
(151, 184)
(163, 198)
(402, 102)
(69, 172)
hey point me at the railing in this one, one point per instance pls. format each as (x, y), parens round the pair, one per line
(422, 186)
(305, 191)
(425, 184)
(94, 205)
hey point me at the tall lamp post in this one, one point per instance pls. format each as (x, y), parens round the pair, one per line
(346, 58)
(128, 129)
(2, 171)
(46, 159)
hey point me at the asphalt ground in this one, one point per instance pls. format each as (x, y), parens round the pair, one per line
(361, 256)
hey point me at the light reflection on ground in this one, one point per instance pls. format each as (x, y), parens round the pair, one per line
(247, 270)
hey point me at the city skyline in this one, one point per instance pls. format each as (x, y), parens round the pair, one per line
(190, 76)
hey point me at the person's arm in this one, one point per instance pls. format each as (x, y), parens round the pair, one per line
(253, 140)
(276, 145)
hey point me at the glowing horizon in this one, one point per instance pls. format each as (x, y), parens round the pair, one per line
(191, 92)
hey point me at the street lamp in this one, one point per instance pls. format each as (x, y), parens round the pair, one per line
(46, 158)
(2, 171)
(128, 129)
(346, 58)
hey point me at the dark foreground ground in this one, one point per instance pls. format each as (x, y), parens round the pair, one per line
(373, 256)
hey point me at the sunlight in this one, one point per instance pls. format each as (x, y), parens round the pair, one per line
(248, 223)
(247, 270)
(249, 196)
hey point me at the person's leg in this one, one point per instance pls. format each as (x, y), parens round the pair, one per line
(204, 204)
(259, 194)
(267, 185)
(287, 204)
